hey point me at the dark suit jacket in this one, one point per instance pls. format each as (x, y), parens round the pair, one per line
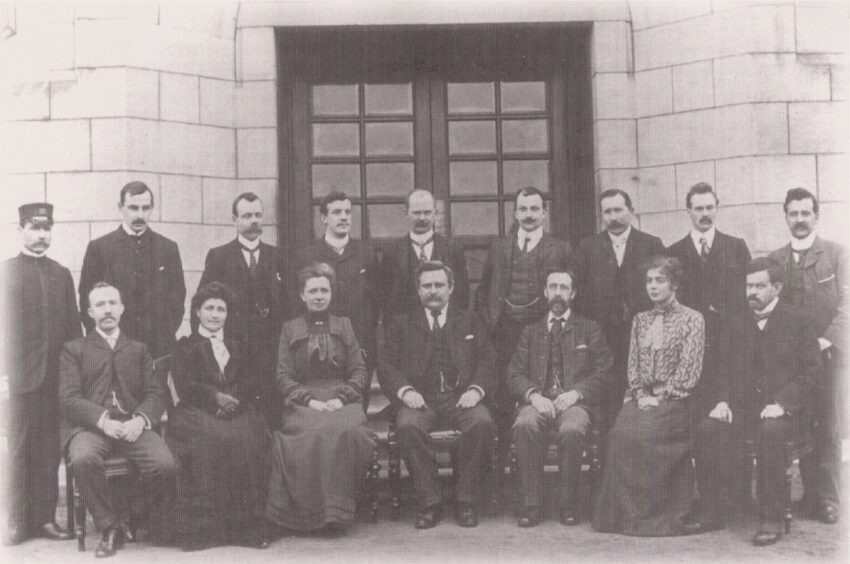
(409, 347)
(587, 360)
(495, 281)
(777, 365)
(398, 274)
(85, 374)
(596, 268)
(33, 331)
(826, 279)
(153, 299)
(724, 278)
(356, 292)
(197, 376)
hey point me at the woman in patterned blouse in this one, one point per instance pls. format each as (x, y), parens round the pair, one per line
(648, 479)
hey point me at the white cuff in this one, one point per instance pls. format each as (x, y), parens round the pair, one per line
(478, 389)
(403, 390)
(102, 421)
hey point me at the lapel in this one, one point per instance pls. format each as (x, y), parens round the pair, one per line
(100, 342)
(606, 248)
(547, 246)
(236, 254)
(631, 242)
(784, 255)
(718, 249)
(814, 253)
(440, 250)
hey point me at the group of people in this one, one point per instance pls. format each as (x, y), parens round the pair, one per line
(675, 355)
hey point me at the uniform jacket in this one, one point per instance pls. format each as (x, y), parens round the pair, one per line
(596, 267)
(30, 354)
(85, 374)
(409, 347)
(398, 274)
(587, 360)
(825, 295)
(153, 298)
(355, 294)
(495, 281)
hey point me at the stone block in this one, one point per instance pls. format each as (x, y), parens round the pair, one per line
(94, 196)
(196, 150)
(613, 96)
(832, 221)
(656, 142)
(833, 178)
(218, 102)
(179, 97)
(45, 146)
(652, 14)
(32, 16)
(761, 225)
(838, 80)
(688, 174)
(19, 189)
(110, 92)
(194, 241)
(611, 50)
(693, 86)
(669, 226)
(615, 144)
(256, 104)
(68, 245)
(821, 27)
(769, 78)
(257, 153)
(209, 18)
(762, 180)
(653, 189)
(29, 100)
(142, 12)
(110, 143)
(255, 54)
(181, 197)
(219, 193)
(29, 56)
(101, 43)
(818, 127)
(653, 92)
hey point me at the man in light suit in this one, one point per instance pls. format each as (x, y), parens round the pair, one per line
(256, 272)
(815, 278)
(111, 400)
(560, 372)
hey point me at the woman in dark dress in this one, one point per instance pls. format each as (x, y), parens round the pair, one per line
(324, 448)
(219, 440)
(648, 479)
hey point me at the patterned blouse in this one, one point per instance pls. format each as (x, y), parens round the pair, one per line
(665, 352)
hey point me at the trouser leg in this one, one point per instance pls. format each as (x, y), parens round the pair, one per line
(529, 436)
(713, 457)
(573, 426)
(19, 439)
(87, 452)
(771, 445)
(157, 471)
(45, 455)
(412, 428)
(477, 431)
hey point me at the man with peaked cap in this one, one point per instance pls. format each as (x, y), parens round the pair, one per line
(39, 316)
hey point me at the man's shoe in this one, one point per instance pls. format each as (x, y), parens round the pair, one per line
(110, 543)
(15, 534)
(53, 531)
(466, 515)
(829, 514)
(569, 517)
(428, 518)
(530, 517)
(690, 526)
(764, 538)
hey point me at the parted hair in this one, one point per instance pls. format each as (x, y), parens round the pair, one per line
(773, 268)
(213, 291)
(102, 284)
(316, 270)
(134, 188)
(247, 196)
(700, 188)
(434, 265)
(561, 270)
(795, 194)
(616, 192)
(530, 191)
(334, 196)
(668, 266)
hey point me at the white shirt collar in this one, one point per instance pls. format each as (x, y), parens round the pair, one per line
(204, 332)
(111, 339)
(622, 237)
(421, 237)
(552, 316)
(803, 244)
(29, 253)
(132, 233)
(696, 235)
(532, 236)
(248, 243)
(336, 243)
(769, 307)
(441, 317)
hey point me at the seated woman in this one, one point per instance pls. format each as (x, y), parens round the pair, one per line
(648, 478)
(218, 438)
(324, 447)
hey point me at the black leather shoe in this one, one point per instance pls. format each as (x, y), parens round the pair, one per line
(15, 534)
(530, 517)
(764, 538)
(466, 515)
(569, 517)
(53, 531)
(428, 518)
(110, 543)
(829, 514)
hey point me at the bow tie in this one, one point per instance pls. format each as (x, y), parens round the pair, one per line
(761, 316)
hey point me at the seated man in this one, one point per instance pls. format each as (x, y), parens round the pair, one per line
(436, 367)
(773, 362)
(559, 372)
(110, 399)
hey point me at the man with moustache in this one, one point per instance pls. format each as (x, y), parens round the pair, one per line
(815, 279)
(510, 295)
(145, 267)
(39, 316)
(111, 400)
(402, 257)
(256, 272)
(355, 294)
(715, 266)
(561, 370)
(436, 368)
(612, 285)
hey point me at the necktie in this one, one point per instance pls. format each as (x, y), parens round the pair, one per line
(252, 257)
(552, 384)
(799, 255)
(761, 316)
(704, 248)
(556, 326)
(525, 244)
(435, 316)
(222, 355)
(421, 246)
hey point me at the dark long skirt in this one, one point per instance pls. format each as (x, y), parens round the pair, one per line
(647, 484)
(223, 471)
(319, 463)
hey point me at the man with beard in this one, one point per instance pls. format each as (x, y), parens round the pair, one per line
(612, 284)
(815, 284)
(402, 257)
(39, 316)
(561, 370)
(436, 368)
(355, 294)
(147, 270)
(256, 272)
(510, 296)
(715, 267)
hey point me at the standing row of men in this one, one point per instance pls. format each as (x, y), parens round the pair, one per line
(41, 312)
